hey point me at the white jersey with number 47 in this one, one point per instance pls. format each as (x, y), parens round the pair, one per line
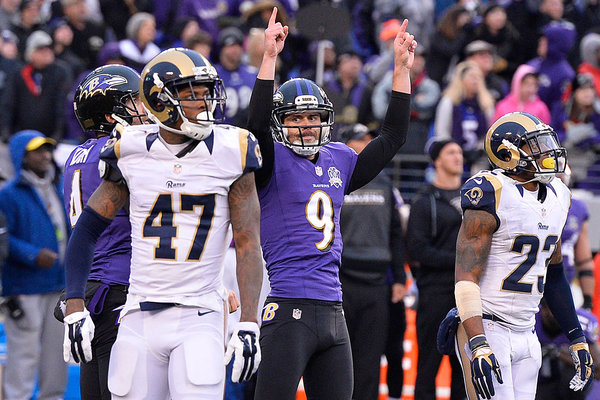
(179, 211)
(529, 227)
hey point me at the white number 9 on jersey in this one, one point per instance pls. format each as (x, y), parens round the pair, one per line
(319, 213)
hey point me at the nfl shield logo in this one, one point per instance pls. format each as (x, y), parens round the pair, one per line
(177, 168)
(297, 313)
(319, 171)
(543, 212)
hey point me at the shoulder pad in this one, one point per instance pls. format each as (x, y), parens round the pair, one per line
(109, 157)
(250, 151)
(481, 192)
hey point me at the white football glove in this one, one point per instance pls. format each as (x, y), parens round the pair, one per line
(79, 332)
(244, 344)
(584, 366)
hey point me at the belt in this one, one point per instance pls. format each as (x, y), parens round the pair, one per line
(154, 306)
(493, 318)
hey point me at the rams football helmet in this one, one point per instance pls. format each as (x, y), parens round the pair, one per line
(166, 75)
(106, 90)
(298, 96)
(520, 143)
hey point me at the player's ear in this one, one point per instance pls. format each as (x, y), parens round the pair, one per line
(109, 118)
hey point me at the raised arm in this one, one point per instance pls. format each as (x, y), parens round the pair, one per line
(245, 221)
(395, 125)
(261, 101)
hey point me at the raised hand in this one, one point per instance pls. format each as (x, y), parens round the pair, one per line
(483, 364)
(404, 47)
(584, 366)
(275, 35)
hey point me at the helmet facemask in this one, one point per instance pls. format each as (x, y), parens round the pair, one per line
(298, 145)
(544, 158)
(126, 112)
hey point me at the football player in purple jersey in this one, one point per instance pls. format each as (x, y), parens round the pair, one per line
(106, 96)
(301, 190)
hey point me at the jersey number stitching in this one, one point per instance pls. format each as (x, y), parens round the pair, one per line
(75, 200)
(512, 282)
(319, 213)
(159, 224)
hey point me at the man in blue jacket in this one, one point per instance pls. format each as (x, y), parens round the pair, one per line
(33, 274)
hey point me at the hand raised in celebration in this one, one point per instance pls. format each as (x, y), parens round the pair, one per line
(275, 35)
(404, 47)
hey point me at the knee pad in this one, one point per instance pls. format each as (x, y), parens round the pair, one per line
(203, 355)
(124, 357)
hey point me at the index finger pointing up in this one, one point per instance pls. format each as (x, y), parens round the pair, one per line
(273, 17)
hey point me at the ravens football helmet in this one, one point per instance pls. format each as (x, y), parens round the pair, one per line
(106, 90)
(298, 96)
(520, 143)
(166, 76)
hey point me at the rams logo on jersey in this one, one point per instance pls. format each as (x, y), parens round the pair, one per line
(100, 84)
(474, 195)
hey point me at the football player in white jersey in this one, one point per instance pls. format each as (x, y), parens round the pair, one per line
(508, 257)
(186, 180)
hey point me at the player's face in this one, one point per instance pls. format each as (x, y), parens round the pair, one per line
(308, 128)
(136, 105)
(191, 106)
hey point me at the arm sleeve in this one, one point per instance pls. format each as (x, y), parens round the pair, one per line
(557, 294)
(397, 246)
(259, 123)
(80, 251)
(382, 149)
(419, 241)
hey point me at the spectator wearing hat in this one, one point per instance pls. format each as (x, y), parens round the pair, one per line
(33, 274)
(34, 93)
(590, 54)
(183, 29)
(482, 54)
(378, 66)
(373, 245)
(523, 96)
(236, 75)
(554, 71)
(350, 93)
(88, 36)
(9, 45)
(139, 47)
(433, 225)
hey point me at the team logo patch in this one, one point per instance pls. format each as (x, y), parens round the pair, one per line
(177, 168)
(474, 195)
(101, 84)
(297, 313)
(334, 177)
(319, 171)
(269, 311)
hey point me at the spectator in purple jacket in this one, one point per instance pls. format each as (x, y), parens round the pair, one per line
(553, 69)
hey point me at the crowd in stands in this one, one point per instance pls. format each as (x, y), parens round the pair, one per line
(475, 61)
